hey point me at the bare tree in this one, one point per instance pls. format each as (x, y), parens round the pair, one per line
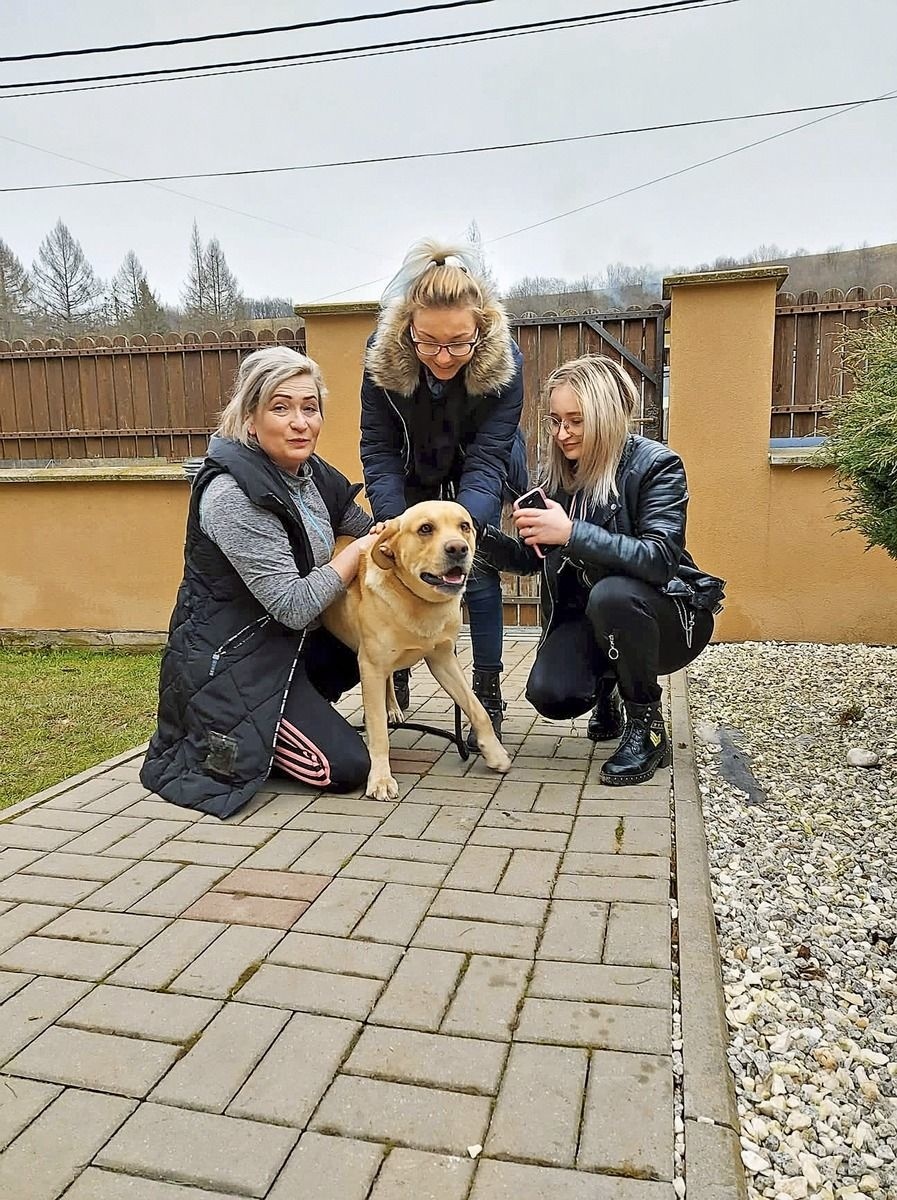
(212, 294)
(133, 305)
(15, 294)
(196, 291)
(475, 239)
(268, 308)
(68, 293)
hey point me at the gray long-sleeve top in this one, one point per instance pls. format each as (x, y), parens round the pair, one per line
(256, 544)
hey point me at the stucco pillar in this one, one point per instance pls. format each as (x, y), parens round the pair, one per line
(335, 337)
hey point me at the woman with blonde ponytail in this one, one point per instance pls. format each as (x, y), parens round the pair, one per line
(440, 413)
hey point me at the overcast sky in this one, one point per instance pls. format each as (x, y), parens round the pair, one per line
(328, 231)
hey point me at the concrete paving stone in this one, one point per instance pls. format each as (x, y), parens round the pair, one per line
(408, 820)
(179, 888)
(96, 1184)
(136, 1013)
(609, 888)
(340, 907)
(348, 996)
(329, 1168)
(221, 834)
(333, 954)
(419, 992)
(539, 745)
(477, 937)
(99, 840)
(14, 859)
(478, 868)
(481, 906)
(84, 793)
(46, 889)
(161, 810)
(547, 772)
(488, 998)
(557, 798)
(713, 1162)
(530, 873)
(113, 803)
(130, 887)
(627, 1121)
(449, 765)
(59, 818)
(518, 839)
(550, 1081)
(218, 1064)
(21, 1101)
(574, 931)
(514, 796)
(31, 1010)
(352, 808)
(487, 781)
(395, 870)
(203, 1149)
(246, 910)
(395, 914)
(125, 1066)
(517, 1181)
(500, 818)
(228, 961)
(76, 1124)
(423, 1118)
(575, 747)
(287, 1084)
(638, 935)
(452, 823)
(167, 955)
(416, 1175)
(117, 929)
(330, 852)
(33, 837)
(431, 791)
(602, 1026)
(272, 810)
(70, 960)
(77, 866)
(23, 920)
(411, 849)
(602, 984)
(205, 854)
(411, 1056)
(632, 866)
(12, 982)
(154, 834)
(622, 835)
(5, 906)
(622, 806)
(551, 764)
(333, 823)
(282, 885)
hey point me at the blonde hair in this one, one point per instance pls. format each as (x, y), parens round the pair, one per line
(609, 400)
(437, 275)
(259, 376)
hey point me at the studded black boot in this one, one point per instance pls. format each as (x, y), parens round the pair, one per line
(487, 689)
(606, 722)
(401, 682)
(642, 749)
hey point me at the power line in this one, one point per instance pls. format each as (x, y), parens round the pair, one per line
(395, 158)
(243, 33)
(55, 87)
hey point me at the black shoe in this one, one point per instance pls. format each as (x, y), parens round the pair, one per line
(642, 749)
(401, 682)
(606, 722)
(487, 689)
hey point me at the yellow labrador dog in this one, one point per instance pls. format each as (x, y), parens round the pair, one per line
(403, 606)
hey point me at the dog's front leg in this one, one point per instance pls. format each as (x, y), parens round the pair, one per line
(381, 784)
(445, 670)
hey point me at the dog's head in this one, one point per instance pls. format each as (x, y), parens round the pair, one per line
(430, 549)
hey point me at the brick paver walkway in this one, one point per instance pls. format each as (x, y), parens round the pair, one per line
(462, 995)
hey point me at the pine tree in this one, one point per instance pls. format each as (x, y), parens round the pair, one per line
(15, 294)
(68, 294)
(212, 294)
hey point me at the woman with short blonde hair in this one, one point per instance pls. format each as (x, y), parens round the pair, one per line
(622, 599)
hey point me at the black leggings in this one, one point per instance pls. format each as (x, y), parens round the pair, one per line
(630, 632)
(315, 744)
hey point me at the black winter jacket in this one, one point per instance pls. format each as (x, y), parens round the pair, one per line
(640, 532)
(228, 663)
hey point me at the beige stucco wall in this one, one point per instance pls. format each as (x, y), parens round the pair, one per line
(768, 530)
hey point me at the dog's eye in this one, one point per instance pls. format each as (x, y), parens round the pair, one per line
(465, 527)
(425, 528)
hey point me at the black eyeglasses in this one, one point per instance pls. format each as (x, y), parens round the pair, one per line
(428, 349)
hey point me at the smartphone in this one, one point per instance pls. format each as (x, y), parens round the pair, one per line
(534, 498)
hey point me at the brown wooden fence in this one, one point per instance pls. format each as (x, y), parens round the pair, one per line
(808, 371)
(103, 397)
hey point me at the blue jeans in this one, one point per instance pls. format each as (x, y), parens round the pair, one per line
(484, 608)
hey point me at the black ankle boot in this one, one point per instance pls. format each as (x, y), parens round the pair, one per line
(642, 749)
(401, 682)
(487, 689)
(606, 721)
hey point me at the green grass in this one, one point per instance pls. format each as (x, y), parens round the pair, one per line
(62, 711)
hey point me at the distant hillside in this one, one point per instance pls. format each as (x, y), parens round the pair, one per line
(865, 267)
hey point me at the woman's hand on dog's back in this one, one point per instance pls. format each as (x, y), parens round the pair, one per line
(346, 561)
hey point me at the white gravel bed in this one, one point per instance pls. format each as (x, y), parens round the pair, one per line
(805, 892)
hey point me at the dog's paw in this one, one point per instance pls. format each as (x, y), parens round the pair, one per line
(381, 787)
(495, 755)
(394, 714)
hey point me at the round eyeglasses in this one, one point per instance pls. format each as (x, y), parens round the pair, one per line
(428, 349)
(553, 425)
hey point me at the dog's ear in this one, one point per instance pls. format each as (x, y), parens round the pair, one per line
(381, 553)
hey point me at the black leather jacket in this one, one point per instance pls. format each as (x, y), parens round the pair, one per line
(640, 532)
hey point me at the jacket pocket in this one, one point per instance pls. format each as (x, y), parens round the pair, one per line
(235, 642)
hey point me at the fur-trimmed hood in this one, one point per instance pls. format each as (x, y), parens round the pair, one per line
(392, 361)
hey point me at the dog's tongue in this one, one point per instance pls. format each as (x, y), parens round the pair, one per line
(456, 575)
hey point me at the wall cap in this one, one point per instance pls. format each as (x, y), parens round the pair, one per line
(101, 473)
(741, 275)
(800, 456)
(351, 307)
